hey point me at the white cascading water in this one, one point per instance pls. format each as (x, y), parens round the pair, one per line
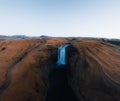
(62, 54)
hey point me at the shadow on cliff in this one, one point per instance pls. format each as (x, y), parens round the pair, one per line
(59, 89)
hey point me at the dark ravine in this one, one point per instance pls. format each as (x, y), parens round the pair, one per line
(59, 89)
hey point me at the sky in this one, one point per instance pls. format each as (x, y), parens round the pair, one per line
(84, 18)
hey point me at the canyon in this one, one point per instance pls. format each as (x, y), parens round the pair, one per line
(27, 64)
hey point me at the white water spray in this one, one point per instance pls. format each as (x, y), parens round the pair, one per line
(62, 58)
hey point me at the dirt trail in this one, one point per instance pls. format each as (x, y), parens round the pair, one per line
(7, 81)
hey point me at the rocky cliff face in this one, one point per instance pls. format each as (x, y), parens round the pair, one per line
(26, 64)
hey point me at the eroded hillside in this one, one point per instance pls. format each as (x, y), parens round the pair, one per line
(25, 66)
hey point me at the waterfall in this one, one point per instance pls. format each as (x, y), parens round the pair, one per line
(59, 89)
(62, 56)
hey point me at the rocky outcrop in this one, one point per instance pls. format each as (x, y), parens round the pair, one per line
(26, 64)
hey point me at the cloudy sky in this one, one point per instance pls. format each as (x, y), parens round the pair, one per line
(89, 18)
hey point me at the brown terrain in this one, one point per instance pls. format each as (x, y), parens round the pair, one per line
(25, 66)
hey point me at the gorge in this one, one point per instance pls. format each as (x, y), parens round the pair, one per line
(59, 89)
